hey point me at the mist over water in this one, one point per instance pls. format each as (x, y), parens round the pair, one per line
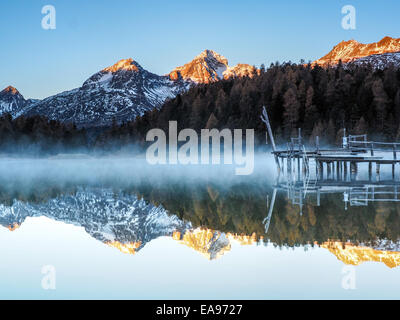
(122, 170)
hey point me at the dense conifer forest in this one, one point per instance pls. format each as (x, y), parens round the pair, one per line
(321, 101)
(38, 135)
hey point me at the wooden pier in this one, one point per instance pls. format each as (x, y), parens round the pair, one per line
(341, 163)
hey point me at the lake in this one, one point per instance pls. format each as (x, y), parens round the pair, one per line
(118, 228)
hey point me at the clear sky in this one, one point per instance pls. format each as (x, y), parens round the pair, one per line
(93, 34)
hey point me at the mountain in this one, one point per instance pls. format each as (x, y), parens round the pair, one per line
(378, 53)
(210, 66)
(120, 92)
(11, 101)
(125, 90)
(379, 61)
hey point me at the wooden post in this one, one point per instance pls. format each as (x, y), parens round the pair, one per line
(353, 170)
(328, 170)
(378, 170)
(370, 171)
(393, 170)
(345, 170)
(372, 150)
(321, 170)
(337, 170)
(265, 119)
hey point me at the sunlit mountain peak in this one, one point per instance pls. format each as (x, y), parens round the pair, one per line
(124, 64)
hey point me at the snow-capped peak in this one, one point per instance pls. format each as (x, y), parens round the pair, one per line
(12, 102)
(211, 55)
(207, 67)
(124, 64)
(10, 90)
(349, 51)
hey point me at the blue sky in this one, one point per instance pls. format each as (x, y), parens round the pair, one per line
(93, 34)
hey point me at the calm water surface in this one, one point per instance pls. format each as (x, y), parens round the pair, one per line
(119, 228)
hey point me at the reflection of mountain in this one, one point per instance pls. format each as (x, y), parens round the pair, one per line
(208, 242)
(120, 220)
(357, 254)
(211, 243)
(206, 217)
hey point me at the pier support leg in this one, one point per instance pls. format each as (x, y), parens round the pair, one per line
(353, 170)
(345, 170)
(393, 172)
(328, 170)
(320, 166)
(378, 171)
(338, 170)
(370, 171)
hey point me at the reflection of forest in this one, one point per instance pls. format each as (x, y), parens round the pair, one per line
(241, 208)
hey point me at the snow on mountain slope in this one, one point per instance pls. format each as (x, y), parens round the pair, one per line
(350, 51)
(121, 92)
(12, 102)
(379, 61)
(210, 66)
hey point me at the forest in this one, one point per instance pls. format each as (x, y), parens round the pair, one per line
(321, 101)
(38, 135)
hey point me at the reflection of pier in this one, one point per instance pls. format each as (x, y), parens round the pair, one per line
(355, 193)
